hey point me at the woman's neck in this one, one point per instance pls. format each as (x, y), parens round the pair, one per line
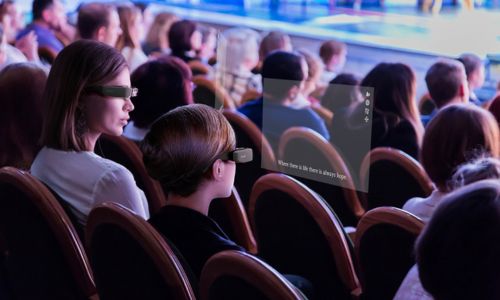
(198, 201)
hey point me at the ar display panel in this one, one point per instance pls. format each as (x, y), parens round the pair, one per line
(323, 149)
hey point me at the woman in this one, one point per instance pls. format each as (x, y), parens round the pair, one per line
(185, 40)
(21, 113)
(129, 42)
(87, 94)
(165, 84)
(395, 118)
(457, 134)
(189, 150)
(157, 37)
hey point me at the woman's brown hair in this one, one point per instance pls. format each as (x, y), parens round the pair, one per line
(128, 15)
(82, 64)
(182, 145)
(21, 113)
(158, 33)
(458, 133)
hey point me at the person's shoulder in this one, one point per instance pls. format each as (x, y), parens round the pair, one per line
(251, 105)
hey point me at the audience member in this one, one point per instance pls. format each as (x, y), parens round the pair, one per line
(13, 19)
(474, 69)
(457, 134)
(333, 53)
(495, 108)
(157, 37)
(395, 117)
(87, 94)
(165, 84)
(49, 23)
(315, 68)
(283, 75)
(184, 39)
(447, 84)
(206, 52)
(129, 42)
(342, 93)
(100, 22)
(273, 41)
(237, 56)
(189, 151)
(457, 253)
(21, 113)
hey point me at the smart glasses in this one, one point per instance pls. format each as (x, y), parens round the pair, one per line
(238, 155)
(114, 91)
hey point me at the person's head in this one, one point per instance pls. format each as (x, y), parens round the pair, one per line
(100, 22)
(474, 69)
(158, 32)
(21, 113)
(50, 12)
(87, 93)
(184, 37)
(131, 25)
(447, 83)
(482, 168)
(314, 67)
(495, 108)
(458, 133)
(3, 48)
(208, 43)
(333, 54)
(11, 19)
(164, 84)
(273, 41)
(342, 92)
(394, 87)
(238, 49)
(457, 253)
(283, 74)
(183, 148)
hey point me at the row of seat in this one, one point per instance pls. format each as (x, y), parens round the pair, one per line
(41, 249)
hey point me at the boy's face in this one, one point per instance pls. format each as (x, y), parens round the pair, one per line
(337, 62)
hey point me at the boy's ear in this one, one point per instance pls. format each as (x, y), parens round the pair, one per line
(100, 33)
(218, 170)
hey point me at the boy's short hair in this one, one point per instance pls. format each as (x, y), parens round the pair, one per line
(331, 48)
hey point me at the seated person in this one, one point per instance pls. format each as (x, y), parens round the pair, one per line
(314, 70)
(447, 84)
(333, 53)
(100, 22)
(286, 73)
(184, 39)
(270, 42)
(474, 69)
(129, 42)
(156, 42)
(238, 49)
(165, 84)
(189, 150)
(468, 173)
(455, 135)
(87, 94)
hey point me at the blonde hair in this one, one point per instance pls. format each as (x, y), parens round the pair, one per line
(128, 15)
(235, 46)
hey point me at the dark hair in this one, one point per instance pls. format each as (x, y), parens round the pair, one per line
(457, 253)
(394, 93)
(341, 92)
(39, 6)
(82, 64)
(128, 15)
(91, 17)
(495, 108)
(471, 63)
(179, 36)
(285, 66)
(443, 80)
(330, 48)
(181, 146)
(458, 133)
(21, 113)
(164, 84)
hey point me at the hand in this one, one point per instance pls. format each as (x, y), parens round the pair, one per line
(28, 45)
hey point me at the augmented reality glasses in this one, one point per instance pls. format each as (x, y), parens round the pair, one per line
(238, 155)
(114, 91)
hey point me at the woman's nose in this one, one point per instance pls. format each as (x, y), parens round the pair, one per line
(129, 106)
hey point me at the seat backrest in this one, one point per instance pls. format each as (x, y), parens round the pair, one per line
(198, 68)
(299, 234)
(392, 177)
(249, 135)
(304, 147)
(209, 93)
(44, 257)
(125, 152)
(230, 214)
(232, 275)
(384, 245)
(130, 259)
